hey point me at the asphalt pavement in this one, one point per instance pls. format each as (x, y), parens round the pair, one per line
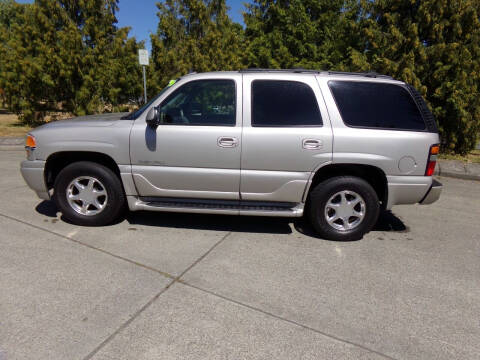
(182, 286)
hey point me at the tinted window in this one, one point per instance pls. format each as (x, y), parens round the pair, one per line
(376, 105)
(135, 114)
(203, 102)
(284, 103)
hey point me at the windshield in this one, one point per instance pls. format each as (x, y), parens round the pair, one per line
(136, 113)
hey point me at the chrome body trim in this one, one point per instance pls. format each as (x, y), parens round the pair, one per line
(213, 207)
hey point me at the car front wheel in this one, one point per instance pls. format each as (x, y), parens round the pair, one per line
(89, 194)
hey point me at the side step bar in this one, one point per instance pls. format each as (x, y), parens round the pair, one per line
(215, 206)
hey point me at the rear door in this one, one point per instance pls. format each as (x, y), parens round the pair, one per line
(286, 135)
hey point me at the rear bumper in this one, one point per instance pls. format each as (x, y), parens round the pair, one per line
(433, 193)
(412, 190)
(33, 174)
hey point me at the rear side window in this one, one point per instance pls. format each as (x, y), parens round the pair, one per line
(284, 104)
(376, 105)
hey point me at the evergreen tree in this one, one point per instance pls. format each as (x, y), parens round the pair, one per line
(120, 77)
(194, 35)
(68, 55)
(435, 46)
(313, 34)
(12, 17)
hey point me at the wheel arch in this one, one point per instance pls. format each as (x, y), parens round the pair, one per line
(59, 160)
(373, 175)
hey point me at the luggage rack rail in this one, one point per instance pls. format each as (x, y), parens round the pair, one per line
(309, 71)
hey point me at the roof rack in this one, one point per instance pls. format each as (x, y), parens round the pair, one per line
(294, 70)
(308, 71)
(371, 74)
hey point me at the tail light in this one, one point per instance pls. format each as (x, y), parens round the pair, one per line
(432, 159)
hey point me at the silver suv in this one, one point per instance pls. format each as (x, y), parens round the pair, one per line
(338, 147)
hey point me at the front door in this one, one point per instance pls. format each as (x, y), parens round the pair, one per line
(195, 152)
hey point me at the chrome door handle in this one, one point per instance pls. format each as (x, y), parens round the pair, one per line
(312, 144)
(227, 142)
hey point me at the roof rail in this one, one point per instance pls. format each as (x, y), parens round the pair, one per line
(294, 70)
(370, 74)
(309, 71)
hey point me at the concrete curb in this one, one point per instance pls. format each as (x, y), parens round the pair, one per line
(12, 143)
(449, 168)
(458, 169)
(12, 148)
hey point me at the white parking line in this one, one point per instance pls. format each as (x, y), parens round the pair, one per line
(72, 233)
(338, 251)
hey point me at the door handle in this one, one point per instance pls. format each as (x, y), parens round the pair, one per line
(227, 142)
(312, 144)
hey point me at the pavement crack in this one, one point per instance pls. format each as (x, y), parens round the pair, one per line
(203, 256)
(173, 278)
(306, 327)
(151, 301)
(128, 322)
(78, 242)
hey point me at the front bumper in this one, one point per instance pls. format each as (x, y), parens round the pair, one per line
(433, 193)
(33, 174)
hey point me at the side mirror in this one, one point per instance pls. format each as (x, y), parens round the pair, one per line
(153, 117)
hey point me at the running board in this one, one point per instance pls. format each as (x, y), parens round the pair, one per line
(225, 207)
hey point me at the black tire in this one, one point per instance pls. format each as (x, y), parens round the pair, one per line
(115, 202)
(325, 190)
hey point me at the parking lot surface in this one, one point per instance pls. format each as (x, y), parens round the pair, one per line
(182, 286)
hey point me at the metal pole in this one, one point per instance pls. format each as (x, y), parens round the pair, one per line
(144, 85)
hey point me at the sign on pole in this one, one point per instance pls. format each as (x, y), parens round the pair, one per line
(143, 57)
(143, 60)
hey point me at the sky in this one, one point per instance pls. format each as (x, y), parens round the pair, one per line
(141, 16)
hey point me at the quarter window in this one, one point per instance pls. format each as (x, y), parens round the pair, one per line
(284, 103)
(201, 102)
(376, 105)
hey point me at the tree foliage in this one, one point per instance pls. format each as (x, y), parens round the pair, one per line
(431, 44)
(434, 45)
(70, 55)
(312, 34)
(194, 35)
(67, 55)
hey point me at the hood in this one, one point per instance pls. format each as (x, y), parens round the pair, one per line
(100, 120)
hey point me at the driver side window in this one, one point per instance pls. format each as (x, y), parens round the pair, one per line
(201, 102)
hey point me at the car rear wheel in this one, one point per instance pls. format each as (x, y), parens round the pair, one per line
(89, 194)
(343, 208)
